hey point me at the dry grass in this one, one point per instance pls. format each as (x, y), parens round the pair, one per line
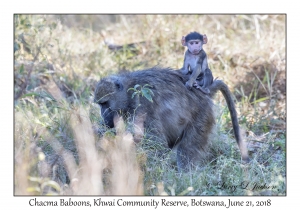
(59, 59)
(116, 165)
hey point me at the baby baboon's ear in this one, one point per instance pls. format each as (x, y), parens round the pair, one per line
(205, 40)
(183, 41)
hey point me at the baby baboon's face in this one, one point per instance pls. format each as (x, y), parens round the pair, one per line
(194, 46)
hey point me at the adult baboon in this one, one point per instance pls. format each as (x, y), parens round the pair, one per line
(177, 116)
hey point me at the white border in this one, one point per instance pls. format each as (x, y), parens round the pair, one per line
(8, 8)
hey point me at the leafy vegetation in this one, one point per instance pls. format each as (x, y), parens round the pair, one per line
(60, 58)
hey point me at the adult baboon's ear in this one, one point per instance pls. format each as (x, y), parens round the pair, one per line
(119, 85)
(183, 41)
(205, 40)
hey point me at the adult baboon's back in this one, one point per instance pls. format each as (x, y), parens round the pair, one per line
(177, 116)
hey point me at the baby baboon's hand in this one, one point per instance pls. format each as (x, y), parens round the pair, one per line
(195, 84)
(189, 85)
(184, 71)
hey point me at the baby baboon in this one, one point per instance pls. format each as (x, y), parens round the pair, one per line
(195, 59)
(176, 117)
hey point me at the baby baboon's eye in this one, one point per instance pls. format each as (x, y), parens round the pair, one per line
(196, 42)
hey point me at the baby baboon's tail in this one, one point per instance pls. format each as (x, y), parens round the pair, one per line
(220, 85)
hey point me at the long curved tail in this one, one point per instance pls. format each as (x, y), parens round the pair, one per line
(220, 85)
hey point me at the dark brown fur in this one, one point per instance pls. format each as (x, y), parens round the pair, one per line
(176, 117)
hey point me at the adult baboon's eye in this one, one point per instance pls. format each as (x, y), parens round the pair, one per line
(119, 85)
(103, 104)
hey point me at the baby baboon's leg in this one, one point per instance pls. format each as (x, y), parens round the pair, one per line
(204, 81)
(207, 78)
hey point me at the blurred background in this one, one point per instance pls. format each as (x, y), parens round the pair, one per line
(58, 60)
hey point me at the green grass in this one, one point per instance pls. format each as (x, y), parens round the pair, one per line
(60, 58)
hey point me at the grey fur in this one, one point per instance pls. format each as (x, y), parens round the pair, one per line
(176, 117)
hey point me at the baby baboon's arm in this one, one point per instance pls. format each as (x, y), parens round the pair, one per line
(201, 62)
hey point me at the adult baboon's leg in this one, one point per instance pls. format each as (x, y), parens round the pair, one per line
(192, 148)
